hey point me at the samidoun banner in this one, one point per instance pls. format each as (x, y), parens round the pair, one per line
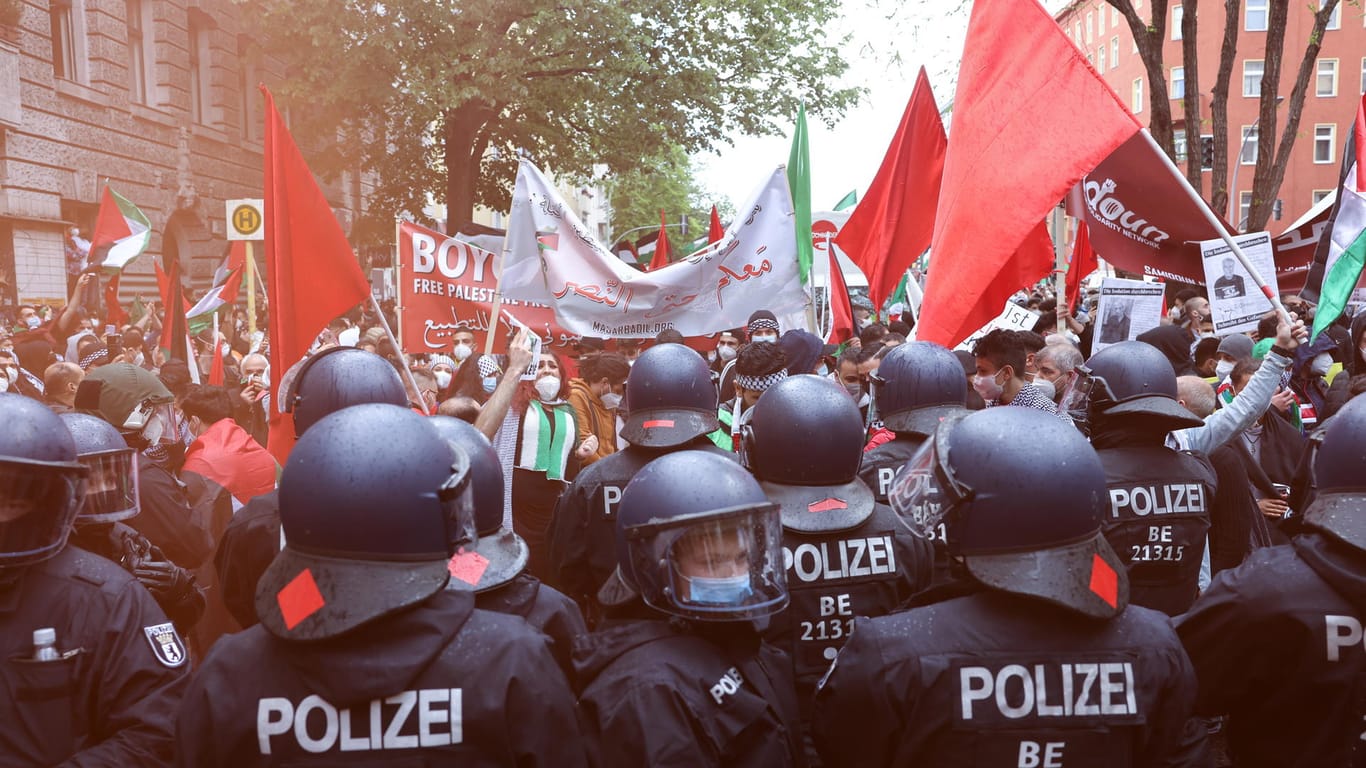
(551, 257)
(446, 285)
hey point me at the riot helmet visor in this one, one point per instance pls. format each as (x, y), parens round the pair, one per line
(38, 503)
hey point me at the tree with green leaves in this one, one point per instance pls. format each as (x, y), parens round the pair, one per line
(439, 97)
(664, 183)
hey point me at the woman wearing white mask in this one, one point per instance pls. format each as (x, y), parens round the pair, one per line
(443, 369)
(596, 395)
(547, 456)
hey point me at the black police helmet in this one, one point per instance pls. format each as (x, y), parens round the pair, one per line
(804, 443)
(672, 398)
(673, 510)
(1132, 377)
(336, 378)
(111, 488)
(367, 531)
(1020, 496)
(41, 482)
(916, 385)
(1339, 509)
(504, 553)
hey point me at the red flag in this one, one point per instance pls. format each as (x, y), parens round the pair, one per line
(164, 287)
(661, 258)
(841, 313)
(312, 276)
(1030, 118)
(114, 313)
(1084, 262)
(893, 224)
(715, 232)
(175, 335)
(216, 367)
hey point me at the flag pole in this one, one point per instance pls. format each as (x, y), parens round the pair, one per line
(1219, 227)
(1059, 265)
(251, 290)
(397, 266)
(496, 313)
(407, 372)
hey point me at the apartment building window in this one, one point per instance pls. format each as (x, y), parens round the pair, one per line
(1178, 82)
(1091, 57)
(1177, 13)
(1334, 18)
(199, 69)
(1179, 144)
(246, 89)
(1080, 40)
(1244, 208)
(1252, 77)
(1100, 59)
(140, 50)
(1363, 75)
(1319, 195)
(1114, 17)
(1114, 58)
(1326, 79)
(1247, 153)
(68, 39)
(1138, 95)
(1090, 27)
(1254, 16)
(1325, 143)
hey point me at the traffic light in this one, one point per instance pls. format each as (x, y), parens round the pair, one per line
(1206, 153)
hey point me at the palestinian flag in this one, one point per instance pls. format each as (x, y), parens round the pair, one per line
(227, 281)
(121, 233)
(1341, 254)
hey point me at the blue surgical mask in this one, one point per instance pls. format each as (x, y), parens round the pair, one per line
(732, 590)
(490, 384)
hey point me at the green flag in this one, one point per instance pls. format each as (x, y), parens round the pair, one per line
(799, 183)
(847, 200)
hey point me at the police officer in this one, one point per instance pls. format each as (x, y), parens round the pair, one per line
(333, 379)
(116, 668)
(1277, 642)
(143, 410)
(917, 385)
(362, 656)
(111, 496)
(845, 555)
(495, 566)
(1159, 498)
(1037, 661)
(672, 407)
(679, 676)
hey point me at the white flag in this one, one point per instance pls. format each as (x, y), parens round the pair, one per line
(550, 257)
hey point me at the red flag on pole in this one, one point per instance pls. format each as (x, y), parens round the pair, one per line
(1030, 118)
(216, 367)
(841, 312)
(1084, 262)
(893, 223)
(715, 232)
(312, 276)
(661, 258)
(114, 313)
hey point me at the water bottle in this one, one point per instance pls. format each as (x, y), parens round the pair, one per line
(45, 645)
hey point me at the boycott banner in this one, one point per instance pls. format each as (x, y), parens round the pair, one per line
(1125, 309)
(446, 285)
(1236, 303)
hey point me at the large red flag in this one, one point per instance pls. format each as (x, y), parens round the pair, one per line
(661, 257)
(1030, 118)
(312, 276)
(1084, 262)
(715, 231)
(841, 312)
(893, 223)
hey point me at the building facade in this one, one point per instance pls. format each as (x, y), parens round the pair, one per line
(156, 98)
(1330, 104)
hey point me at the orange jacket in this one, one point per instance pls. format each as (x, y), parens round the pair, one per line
(594, 419)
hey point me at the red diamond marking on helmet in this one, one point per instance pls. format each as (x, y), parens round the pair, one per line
(468, 566)
(1104, 581)
(825, 505)
(299, 599)
(654, 423)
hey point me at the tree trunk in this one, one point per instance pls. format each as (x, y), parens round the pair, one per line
(1228, 50)
(1150, 39)
(1190, 103)
(1271, 168)
(463, 147)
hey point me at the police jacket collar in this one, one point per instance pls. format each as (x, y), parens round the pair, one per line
(1337, 563)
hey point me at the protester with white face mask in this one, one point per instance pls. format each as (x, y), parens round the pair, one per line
(1000, 378)
(596, 395)
(763, 326)
(443, 368)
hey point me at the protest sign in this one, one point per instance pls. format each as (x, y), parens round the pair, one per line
(1126, 308)
(1236, 303)
(1013, 318)
(446, 285)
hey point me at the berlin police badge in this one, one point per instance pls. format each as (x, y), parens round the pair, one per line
(166, 644)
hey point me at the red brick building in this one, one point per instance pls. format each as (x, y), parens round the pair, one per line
(1330, 104)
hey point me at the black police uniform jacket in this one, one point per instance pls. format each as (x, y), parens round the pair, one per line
(112, 698)
(997, 679)
(834, 576)
(1156, 521)
(544, 608)
(1277, 646)
(166, 518)
(246, 549)
(583, 534)
(439, 684)
(672, 693)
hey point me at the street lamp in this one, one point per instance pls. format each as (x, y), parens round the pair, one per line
(1238, 164)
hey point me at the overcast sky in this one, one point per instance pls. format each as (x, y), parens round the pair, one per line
(927, 33)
